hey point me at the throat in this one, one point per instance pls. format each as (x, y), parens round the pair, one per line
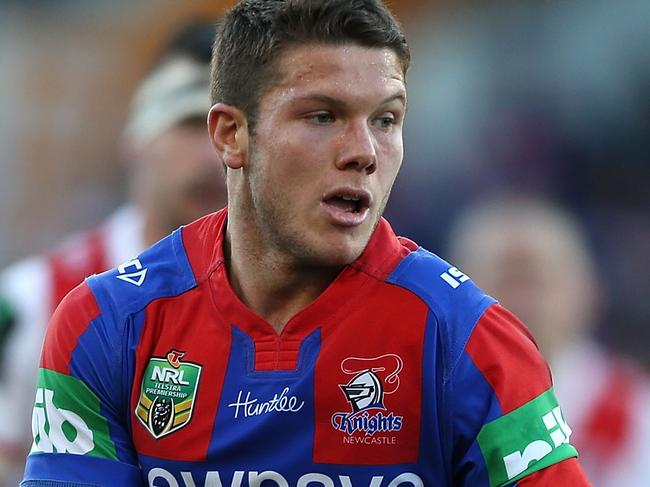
(269, 281)
(276, 295)
(280, 304)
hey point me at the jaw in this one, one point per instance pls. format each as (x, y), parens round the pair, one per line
(338, 245)
(343, 244)
(301, 232)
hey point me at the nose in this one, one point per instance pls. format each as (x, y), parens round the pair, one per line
(357, 149)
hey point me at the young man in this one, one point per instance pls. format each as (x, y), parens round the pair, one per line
(294, 339)
(175, 178)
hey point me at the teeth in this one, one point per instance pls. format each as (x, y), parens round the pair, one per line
(349, 198)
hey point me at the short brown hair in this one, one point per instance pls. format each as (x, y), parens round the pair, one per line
(254, 33)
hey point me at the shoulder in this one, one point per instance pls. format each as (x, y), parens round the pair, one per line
(454, 301)
(165, 270)
(435, 280)
(473, 326)
(162, 270)
(98, 317)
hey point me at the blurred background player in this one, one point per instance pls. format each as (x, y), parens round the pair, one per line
(534, 258)
(174, 178)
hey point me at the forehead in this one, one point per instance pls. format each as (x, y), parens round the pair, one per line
(342, 70)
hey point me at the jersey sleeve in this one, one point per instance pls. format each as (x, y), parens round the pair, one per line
(508, 428)
(567, 472)
(80, 431)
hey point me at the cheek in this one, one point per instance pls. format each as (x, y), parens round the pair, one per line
(391, 160)
(391, 146)
(293, 165)
(398, 147)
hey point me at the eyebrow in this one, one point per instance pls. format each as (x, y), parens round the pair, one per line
(400, 96)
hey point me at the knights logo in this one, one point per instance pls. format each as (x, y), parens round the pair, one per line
(373, 378)
(167, 394)
(364, 391)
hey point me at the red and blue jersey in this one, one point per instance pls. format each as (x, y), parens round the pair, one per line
(402, 373)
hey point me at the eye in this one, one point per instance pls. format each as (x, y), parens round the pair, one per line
(386, 121)
(321, 117)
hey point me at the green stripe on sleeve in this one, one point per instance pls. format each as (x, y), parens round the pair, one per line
(67, 418)
(528, 439)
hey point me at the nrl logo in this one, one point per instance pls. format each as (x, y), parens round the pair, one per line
(167, 394)
(373, 378)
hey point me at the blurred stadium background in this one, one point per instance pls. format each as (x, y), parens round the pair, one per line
(544, 96)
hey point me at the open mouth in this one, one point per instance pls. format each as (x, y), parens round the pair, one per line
(347, 207)
(350, 204)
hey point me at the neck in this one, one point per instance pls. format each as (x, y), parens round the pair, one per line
(267, 280)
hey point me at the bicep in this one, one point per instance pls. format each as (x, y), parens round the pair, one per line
(507, 422)
(79, 431)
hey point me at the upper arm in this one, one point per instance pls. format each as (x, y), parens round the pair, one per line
(506, 420)
(79, 429)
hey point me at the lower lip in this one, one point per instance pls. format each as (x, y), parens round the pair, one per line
(344, 218)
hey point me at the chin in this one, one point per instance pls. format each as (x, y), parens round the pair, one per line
(339, 254)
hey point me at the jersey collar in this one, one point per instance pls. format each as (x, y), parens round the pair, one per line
(203, 241)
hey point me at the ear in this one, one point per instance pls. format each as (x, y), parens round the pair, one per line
(228, 130)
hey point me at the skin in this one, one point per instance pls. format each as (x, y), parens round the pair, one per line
(332, 125)
(177, 178)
